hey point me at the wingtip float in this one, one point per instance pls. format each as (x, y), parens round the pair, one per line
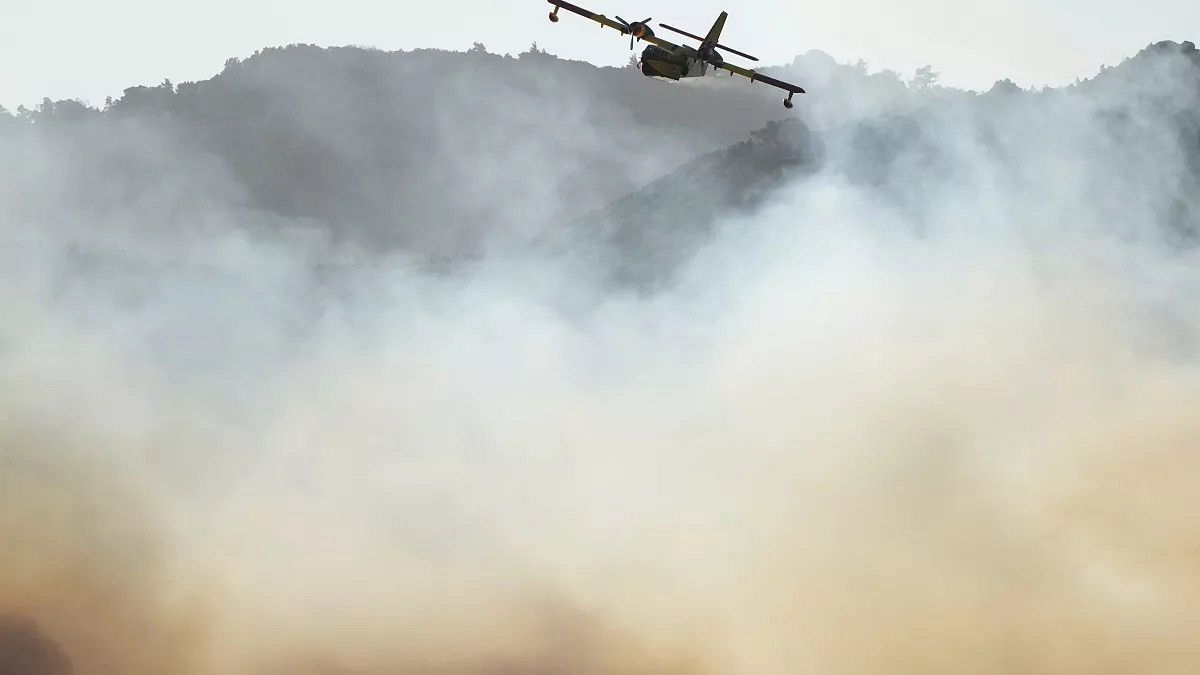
(668, 60)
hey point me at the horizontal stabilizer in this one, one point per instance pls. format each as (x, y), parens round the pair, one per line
(704, 41)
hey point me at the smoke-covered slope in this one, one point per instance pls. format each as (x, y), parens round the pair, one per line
(427, 151)
(645, 236)
(1144, 116)
(913, 389)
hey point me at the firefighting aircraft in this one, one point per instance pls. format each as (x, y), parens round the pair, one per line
(672, 61)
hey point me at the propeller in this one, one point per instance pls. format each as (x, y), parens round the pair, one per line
(697, 37)
(637, 29)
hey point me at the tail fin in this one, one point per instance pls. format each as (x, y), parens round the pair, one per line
(714, 33)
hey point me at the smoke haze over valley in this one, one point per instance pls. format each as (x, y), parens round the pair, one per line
(351, 362)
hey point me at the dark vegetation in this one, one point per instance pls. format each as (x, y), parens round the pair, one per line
(24, 650)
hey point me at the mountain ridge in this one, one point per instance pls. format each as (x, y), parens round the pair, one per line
(380, 151)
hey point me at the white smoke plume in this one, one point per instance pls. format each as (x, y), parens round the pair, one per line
(930, 409)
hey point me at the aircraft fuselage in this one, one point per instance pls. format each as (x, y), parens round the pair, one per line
(672, 64)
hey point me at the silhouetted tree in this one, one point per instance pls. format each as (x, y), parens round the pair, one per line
(533, 52)
(924, 78)
(477, 48)
(1004, 86)
(62, 111)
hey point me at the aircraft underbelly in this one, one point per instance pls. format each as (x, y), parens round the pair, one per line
(660, 68)
(672, 69)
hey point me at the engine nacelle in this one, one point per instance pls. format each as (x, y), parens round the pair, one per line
(640, 30)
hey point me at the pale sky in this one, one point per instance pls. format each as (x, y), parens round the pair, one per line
(89, 49)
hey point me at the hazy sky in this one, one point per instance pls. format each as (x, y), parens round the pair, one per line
(90, 49)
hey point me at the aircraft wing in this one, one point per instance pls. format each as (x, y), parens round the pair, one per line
(598, 18)
(654, 40)
(756, 76)
(606, 22)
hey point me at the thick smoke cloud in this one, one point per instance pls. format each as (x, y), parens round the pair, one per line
(927, 407)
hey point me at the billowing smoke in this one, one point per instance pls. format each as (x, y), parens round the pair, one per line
(926, 407)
